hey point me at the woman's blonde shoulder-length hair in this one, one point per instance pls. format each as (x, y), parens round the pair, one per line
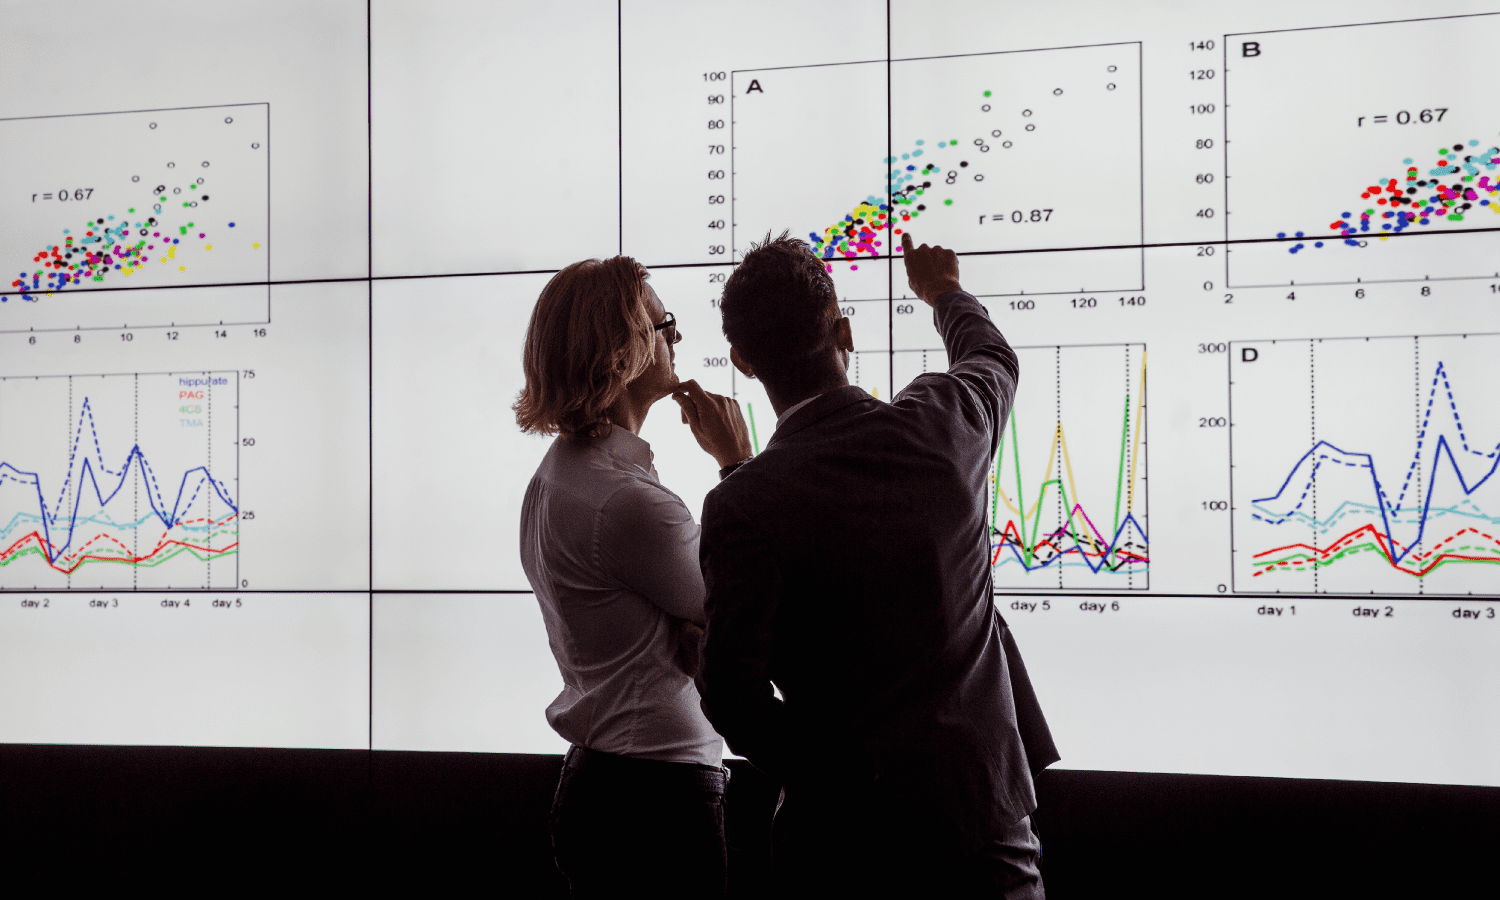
(590, 335)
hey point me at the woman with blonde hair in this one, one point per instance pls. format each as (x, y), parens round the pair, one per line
(612, 555)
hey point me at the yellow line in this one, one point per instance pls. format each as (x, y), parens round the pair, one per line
(1135, 454)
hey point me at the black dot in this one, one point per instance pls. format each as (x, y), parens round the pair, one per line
(921, 206)
(926, 184)
(962, 165)
(204, 197)
(1458, 146)
(1411, 190)
(1421, 184)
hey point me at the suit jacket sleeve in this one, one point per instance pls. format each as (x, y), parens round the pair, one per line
(743, 587)
(982, 368)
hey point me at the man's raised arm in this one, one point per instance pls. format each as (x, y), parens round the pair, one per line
(978, 354)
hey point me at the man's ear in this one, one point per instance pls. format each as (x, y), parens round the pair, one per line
(739, 363)
(843, 335)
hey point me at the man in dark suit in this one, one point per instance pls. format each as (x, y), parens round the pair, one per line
(848, 565)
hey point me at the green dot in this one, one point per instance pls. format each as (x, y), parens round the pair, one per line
(986, 93)
(163, 199)
(947, 202)
(954, 142)
(132, 209)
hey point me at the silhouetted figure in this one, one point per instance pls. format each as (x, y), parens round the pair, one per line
(849, 565)
(612, 555)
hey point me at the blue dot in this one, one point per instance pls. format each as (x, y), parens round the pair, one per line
(1424, 220)
(1299, 234)
(911, 168)
(231, 224)
(1344, 216)
(1318, 244)
(1281, 234)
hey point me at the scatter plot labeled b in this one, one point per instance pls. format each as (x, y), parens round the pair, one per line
(152, 199)
(1358, 175)
(1008, 152)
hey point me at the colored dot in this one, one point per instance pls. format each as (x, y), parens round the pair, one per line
(256, 246)
(986, 93)
(182, 268)
(231, 224)
(947, 202)
(1281, 234)
(920, 143)
(853, 268)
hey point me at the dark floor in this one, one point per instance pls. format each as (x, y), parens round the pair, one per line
(212, 818)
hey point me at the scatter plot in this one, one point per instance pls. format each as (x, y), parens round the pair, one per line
(1366, 466)
(1024, 151)
(1346, 179)
(166, 198)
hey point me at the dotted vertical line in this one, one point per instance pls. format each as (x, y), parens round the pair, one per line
(1416, 396)
(1062, 513)
(135, 489)
(1313, 423)
(1130, 566)
(209, 544)
(68, 494)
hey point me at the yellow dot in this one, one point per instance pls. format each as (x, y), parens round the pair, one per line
(182, 268)
(163, 259)
(208, 246)
(256, 246)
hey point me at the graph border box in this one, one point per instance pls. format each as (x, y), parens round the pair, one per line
(267, 282)
(1234, 588)
(1140, 235)
(238, 499)
(1229, 243)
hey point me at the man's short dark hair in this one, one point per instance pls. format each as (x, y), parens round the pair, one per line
(779, 309)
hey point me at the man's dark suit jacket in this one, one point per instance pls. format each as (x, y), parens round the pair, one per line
(848, 563)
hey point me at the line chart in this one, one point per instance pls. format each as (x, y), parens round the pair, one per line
(147, 496)
(1068, 505)
(1392, 490)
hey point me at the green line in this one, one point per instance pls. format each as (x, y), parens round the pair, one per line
(753, 438)
(1120, 478)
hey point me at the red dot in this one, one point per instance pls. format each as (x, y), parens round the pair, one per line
(1365, 195)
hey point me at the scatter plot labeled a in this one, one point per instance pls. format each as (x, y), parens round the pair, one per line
(1009, 152)
(1381, 176)
(107, 214)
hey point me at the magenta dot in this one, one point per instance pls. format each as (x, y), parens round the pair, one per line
(200, 234)
(853, 268)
